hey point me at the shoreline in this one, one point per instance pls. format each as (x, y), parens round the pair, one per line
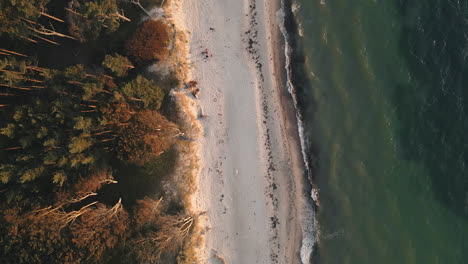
(290, 123)
(309, 198)
(255, 218)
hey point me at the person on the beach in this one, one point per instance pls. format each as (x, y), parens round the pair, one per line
(195, 92)
(206, 54)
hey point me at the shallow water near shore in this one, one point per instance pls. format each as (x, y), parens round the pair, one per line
(383, 100)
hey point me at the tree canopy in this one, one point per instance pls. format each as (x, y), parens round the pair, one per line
(13, 13)
(147, 135)
(117, 64)
(82, 116)
(70, 124)
(145, 90)
(87, 19)
(149, 42)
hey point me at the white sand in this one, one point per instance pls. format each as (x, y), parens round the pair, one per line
(247, 182)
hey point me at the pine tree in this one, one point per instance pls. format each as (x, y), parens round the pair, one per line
(150, 42)
(117, 64)
(146, 91)
(87, 19)
(147, 135)
(12, 13)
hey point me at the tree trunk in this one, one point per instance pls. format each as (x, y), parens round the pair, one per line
(137, 2)
(48, 32)
(47, 40)
(52, 17)
(12, 52)
(28, 39)
(15, 87)
(73, 12)
(14, 148)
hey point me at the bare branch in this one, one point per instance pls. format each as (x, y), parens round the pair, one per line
(48, 32)
(28, 39)
(35, 86)
(14, 148)
(12, 52)
(79, 199)
(137, 2)
(122, 16)
(73, 12)
(70, 217)
(29, 21)
(34, 68)
(15, 87)
(52, 17)
(47, 40)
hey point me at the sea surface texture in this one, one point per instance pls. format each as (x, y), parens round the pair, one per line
(383, 88)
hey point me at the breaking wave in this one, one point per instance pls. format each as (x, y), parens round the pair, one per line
(307, 204)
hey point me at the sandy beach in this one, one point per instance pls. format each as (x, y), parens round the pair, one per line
(251, 165)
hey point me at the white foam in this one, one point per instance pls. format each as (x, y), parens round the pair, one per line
(305, 205)
(295, 6)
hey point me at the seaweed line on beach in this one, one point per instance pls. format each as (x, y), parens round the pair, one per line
(253, 47)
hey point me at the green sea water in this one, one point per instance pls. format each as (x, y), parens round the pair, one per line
(385, 115)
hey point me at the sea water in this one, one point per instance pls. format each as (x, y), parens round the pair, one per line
(382, 90)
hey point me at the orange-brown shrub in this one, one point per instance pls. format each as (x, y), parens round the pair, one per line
(149, 42)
